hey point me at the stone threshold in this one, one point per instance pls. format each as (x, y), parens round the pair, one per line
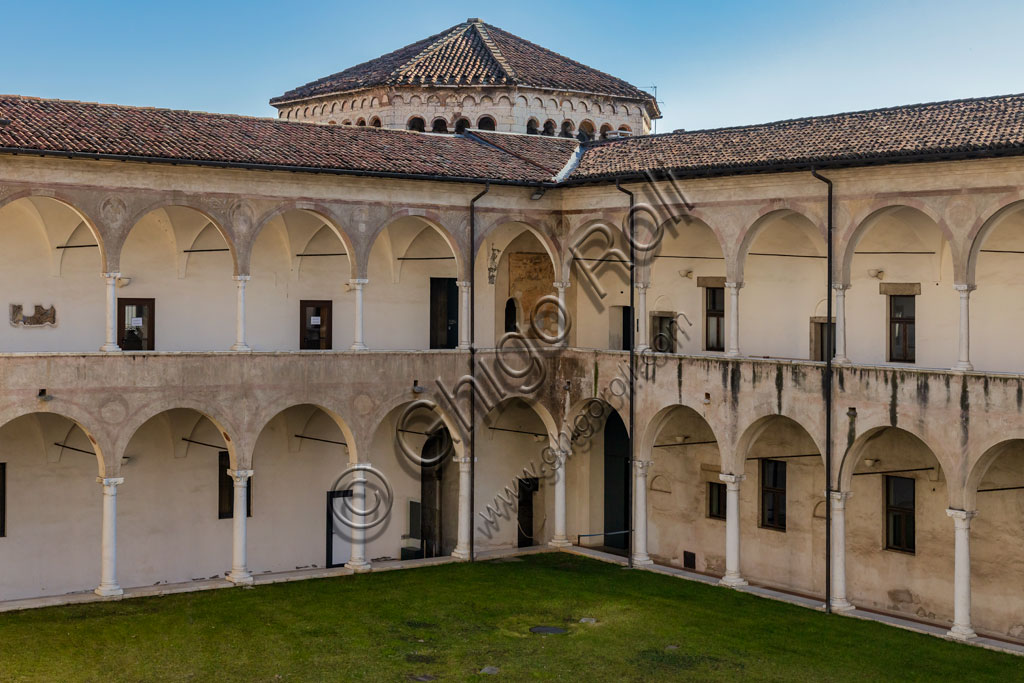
(268, 578)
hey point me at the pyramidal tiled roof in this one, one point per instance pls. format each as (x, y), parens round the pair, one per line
(471, 53)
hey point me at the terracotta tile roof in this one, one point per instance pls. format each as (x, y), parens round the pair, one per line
(59, 126)
(471, 53)
(984, 126)
(550, 153)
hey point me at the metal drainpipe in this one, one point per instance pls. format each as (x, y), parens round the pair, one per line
(828, 401)
(472, 367)
(632, 367)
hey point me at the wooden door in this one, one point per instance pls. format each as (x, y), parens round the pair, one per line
(315, 324)
(136, 320)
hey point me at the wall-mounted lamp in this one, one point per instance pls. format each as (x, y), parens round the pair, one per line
(416, 388)
(876, 273)
(125, 459)
(707, 399)
(123, 281)
(870, 462)
(537, 194)
(687, 273)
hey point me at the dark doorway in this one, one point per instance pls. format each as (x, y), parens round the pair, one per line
(315, 325)
(339, 542)
(616, 484)
(627, 328)
(511, 316)
(431, 476)
(444, 313)
(527, 487)
(135, 322)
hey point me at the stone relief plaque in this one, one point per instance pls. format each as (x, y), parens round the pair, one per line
(41, 316)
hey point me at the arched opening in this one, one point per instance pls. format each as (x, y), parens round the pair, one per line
(785, 263)
(685, 498)
(586, 133)
(605, 129)
(511, 316)
(361, 122)
(300, 271)
(375, 122)
(485, 123)
(996, 486)
(782, 506)
(439, 126)
(998, 272)
(625, 130)
(412, 299)
(532, 127)
(900, 272)
(610, 481)
(568, 129)
(51, 262)
(52, 508)
(417, 124)
(513, 264)
(175, 508)
(549, 128)
(297, 459)
(461, 125)
(176, 269)
(686, 297)
(899, 540)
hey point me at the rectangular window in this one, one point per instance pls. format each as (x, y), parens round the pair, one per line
(315, 325)
(663, 333)
(3, 499)
(716, 500)
(226, 489)
(714, 318)
(899, 513)
(901, 329)
(773, 494)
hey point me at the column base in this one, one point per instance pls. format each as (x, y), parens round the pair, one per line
(842, 605)
(359, 346)
(463, 346)
(460, 554)
(110, 591)
(642, 560)
(841, 360)
(732, 581)
(963, 367)
(961, 633)
(240, 347)
(360, 567)
(732, 354)
(239, 578)
(109, 348)
(560, 543)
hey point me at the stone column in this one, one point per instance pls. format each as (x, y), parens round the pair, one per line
(464, 305)
(641, 316)
(733, 345)
(108, 552)
(240, 345)
(840, 293)
(111, 343)
(563, 314)
(240, 512)
(838, 598)
(559, 540)
(461, 551)
(964, 360)
(962, 629)
(640, 556)
(357, 286)
(732, 530)
(357, 560)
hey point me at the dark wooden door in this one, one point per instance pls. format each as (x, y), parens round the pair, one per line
(315, 324)
(527, 487)
(444, 313)
(616, 483)
(136, 320)
(431, 476)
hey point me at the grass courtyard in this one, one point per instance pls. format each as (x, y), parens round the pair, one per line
(451, 621)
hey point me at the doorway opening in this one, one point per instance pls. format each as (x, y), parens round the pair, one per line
(444, 313)
(617, 499)
(135, 323)
(527, 487)
(315, 325)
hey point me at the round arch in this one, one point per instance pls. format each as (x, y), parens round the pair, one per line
(983, 232)
(429, 219)
(872, 217)
(68, 203)
(755, 429)
(229, 239)
(319, 211)
(765, 219)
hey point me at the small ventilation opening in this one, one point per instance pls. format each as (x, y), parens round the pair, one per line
(689, 560)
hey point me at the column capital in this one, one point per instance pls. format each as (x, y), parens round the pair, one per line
(734, 285)
(240, 476)
(642, 285)
(642, 466)
(561, 285)
(109, 276)
(733, 479)
(964, 289)
(463, 284)
(358, 282)
(109, 481)
(241, 278)
(840, 286)
(962, 518)
(839, 497)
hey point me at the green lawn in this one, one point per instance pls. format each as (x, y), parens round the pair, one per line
(451, 621)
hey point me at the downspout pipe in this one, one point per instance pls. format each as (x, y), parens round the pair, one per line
(829, 351)
(632, 365)
(472, 367)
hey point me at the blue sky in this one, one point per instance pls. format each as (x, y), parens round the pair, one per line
(715, 63)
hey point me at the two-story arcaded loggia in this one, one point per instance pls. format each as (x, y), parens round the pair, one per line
(215, 316)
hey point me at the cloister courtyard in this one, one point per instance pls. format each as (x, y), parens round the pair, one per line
(472, 621)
